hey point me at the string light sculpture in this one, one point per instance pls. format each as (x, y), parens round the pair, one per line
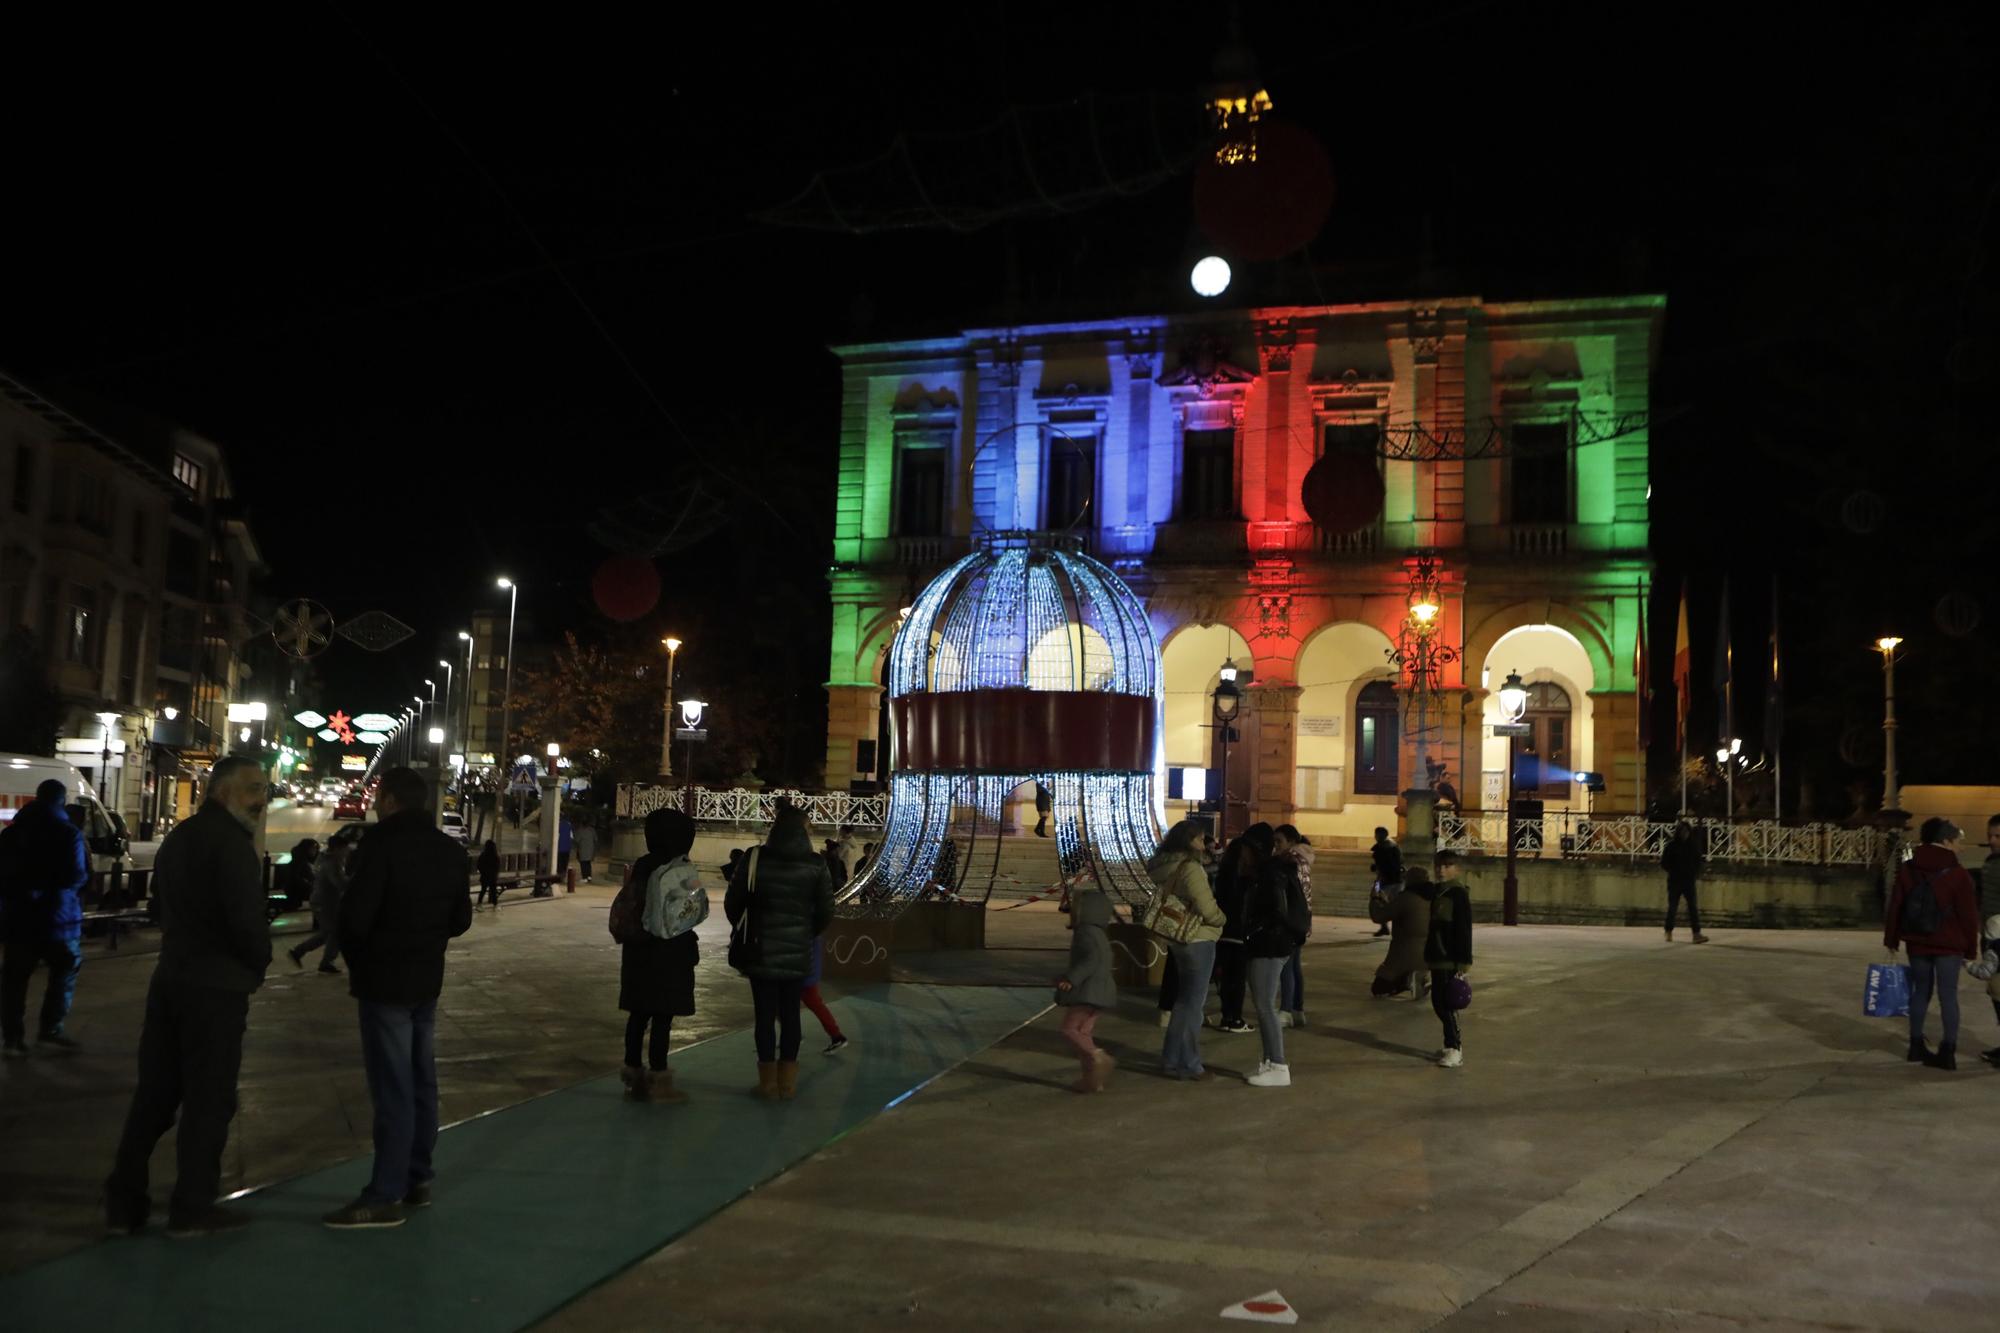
(1025, 661)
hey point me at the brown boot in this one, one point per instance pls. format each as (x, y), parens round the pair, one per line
(788, 1080)
(1106, 1062)
(635, 1084)
(663, 1090)
(767, 1080)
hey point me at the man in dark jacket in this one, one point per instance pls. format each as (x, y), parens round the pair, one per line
(215, 943)
(406, 900)
(1385, 858)
(43, 868)
(786, 891)
(1448, 951)
(1682, 861)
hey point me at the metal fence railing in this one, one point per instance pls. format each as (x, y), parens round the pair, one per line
(738, 805)
(1575, 833)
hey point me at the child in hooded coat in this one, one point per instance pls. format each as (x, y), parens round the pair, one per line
(656, 973)
(1088, 987)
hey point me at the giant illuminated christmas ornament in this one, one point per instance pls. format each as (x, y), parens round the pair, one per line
(1026, 661)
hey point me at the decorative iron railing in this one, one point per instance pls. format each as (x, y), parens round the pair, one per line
(1576, 834)
(739, 805)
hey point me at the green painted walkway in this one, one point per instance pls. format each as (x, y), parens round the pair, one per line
(536, 1204)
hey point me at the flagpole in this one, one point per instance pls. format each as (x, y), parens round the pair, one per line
(1777, 732)
(1639, 713)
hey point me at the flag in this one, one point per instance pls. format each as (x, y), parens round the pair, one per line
(1724, 670)
(1683, 669)
(1642, 676)
(1774, 698)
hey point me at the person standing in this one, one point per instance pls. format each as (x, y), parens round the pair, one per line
(1275, 921)
(1176, 869)
(1989, 906)
(656, 970)
(1044, 804)
(215, 946)
(43, 868)
(1448, 951)
(1385, 858)
(565, 839)
(1298, 849)
(405, 902)
(1933, 912)
(848, 849)
(1682, 861)
(1087, 988)
(1240, 866)
(329, 882)
(586, 849)
(489, 873)
(783, 901)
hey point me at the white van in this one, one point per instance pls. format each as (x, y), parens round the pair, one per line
(103, 831)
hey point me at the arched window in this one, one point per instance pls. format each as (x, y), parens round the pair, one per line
(1376, 737)
(1542, 763)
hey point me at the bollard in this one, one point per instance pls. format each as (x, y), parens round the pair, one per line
(570, 877)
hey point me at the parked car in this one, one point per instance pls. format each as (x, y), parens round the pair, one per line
(453, 823)
(351, 806)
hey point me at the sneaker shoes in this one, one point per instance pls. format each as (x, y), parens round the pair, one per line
(210, 1221)
(1296, 1018)
(60, 1040)
(362, 1215)
(1451, 1058)
(1700, 938)
(1271, 1076)
(835, 1046)
(1237, 1026)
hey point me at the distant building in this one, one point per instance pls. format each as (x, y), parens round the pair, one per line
(127, 557)
(1509, 439)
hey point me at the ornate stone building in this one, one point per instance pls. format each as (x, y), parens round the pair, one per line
(1508, 441)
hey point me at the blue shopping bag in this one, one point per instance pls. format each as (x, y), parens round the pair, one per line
(1888, 991)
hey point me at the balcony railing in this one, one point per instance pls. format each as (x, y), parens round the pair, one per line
(1541, 541)
(741, 806)
(1575, 834)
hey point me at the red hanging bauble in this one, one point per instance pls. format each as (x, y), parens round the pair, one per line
(1343, 491)
(626, 587)
(1271, 206)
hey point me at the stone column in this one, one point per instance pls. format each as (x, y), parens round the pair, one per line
(1614, 722)
(1270, 715)
(850, 717)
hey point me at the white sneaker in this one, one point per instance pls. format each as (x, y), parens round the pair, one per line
(1451, 1058)
(1166, 1018)
(1272, 1076)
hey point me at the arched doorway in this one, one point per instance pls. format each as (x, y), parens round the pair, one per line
(1542, 767)
(1377, 740)
(1557, 670)
(1190, 666)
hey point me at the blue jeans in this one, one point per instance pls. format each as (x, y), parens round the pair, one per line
(1265, 974)
(1292, 985)
(1180, 1053)
(399, 1048)
(24, 949)
(1937, 972)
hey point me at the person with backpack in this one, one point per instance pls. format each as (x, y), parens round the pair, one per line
(653, 918)
(778, 904)
(1682, 861)
(1933, 913)
(1275, 920)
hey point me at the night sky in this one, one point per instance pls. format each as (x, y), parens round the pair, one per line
(448, 290)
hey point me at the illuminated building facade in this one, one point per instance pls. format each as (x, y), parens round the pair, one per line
(1510, 442)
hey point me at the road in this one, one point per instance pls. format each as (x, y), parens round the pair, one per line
(286, 823)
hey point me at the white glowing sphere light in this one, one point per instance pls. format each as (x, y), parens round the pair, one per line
(1210, 276)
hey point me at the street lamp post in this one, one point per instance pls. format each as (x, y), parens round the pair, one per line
(691, 711)
(673, 647)
(1892, 799)
(502, 753)
(1228, 699)
(449, 673)
(1513, 703)
(465, 702)
(108, 720)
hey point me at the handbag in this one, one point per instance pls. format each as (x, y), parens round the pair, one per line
(746, 946)
(1887, 991)
(1171, 917)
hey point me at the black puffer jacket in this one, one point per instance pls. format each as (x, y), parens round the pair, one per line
(406, 900)
(790, 905)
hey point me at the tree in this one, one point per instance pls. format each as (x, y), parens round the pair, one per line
(29, 708)
(601, 704)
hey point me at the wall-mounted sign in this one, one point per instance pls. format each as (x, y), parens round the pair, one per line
(1319, 726)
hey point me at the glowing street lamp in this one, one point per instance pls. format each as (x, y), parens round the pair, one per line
(673, 647)
(1892, 799)
(1210, 276)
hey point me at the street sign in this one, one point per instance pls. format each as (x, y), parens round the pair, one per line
(1513, 729)
(690, 733)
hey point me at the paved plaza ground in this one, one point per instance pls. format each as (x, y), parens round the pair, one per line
(1643, 1136)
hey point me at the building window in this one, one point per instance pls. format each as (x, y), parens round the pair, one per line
(1538, 473)
(1072, 486)
(92, 507)
(139, 538)
(1365, 436)
(1208, 474)
(80, 626)
(187, 472)
(1542, 761)
(1377, 741)
(920, 489)
(24, 477)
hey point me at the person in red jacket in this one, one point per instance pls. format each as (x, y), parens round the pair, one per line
(1934, 913)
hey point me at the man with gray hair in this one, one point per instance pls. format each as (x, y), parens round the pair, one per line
(215, 944)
